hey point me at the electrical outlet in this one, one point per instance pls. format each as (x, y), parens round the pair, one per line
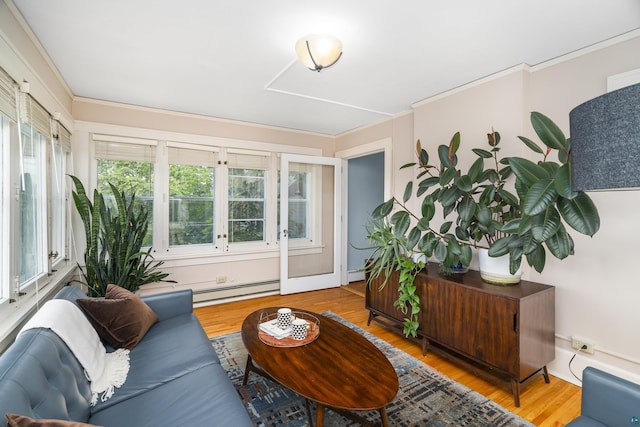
(221, 279)
(582, 344)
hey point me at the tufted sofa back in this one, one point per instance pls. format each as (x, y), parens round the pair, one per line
(35, 373)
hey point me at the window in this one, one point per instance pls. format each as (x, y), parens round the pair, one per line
(206, 199)
(57, 225)
(247, 204)
(32, 210)
(192, 181)
(33, 215)
(298, 205)
(129, 165)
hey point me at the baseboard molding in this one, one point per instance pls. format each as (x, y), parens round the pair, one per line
(601, 360)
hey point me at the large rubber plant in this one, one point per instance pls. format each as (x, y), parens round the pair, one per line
(114, 236)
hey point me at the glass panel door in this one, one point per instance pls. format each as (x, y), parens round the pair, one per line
(310, 206)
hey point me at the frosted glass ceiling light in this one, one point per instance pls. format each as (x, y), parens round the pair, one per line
(318, 51)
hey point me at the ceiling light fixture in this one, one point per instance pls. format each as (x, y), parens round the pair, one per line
(318, 51)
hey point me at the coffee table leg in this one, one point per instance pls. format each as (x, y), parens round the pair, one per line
(306, 401)
(319, 415)
(247, 368)
(383, 417)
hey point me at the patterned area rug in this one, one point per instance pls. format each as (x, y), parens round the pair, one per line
(425, 397)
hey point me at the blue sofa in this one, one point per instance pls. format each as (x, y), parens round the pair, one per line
(607, 401)
(175, 377)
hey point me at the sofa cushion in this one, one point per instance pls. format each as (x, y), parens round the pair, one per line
(204, 397)
(24, 421)
(172, 348)
(122, 319)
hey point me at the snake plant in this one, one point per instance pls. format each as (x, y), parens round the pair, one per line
(114, 237)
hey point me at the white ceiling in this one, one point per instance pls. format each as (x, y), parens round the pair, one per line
(236, 60)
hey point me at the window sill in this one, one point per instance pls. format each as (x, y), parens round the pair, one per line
(13, 316)
(199, 258)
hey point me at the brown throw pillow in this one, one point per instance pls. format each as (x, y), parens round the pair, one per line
(121, 319)
(24, 421)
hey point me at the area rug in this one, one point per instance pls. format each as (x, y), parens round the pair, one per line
(425, 397)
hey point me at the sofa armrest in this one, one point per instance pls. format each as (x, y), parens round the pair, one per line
(170, 304)
(608, 399)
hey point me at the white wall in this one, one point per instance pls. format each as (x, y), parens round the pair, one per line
(597, 289)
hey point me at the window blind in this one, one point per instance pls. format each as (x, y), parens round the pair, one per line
(8, 96)
(34, 115)
(64, 138)
(248, 159)
(186, 156)
(115, 148)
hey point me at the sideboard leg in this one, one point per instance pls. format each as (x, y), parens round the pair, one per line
(515, 390)
(370, 318)
(545, 373)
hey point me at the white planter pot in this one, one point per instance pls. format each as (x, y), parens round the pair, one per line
(496, 270)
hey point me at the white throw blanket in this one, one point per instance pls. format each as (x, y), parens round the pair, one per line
(105, 371)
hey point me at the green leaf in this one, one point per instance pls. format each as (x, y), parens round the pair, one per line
(508, 197)
(465, 255)
(562, 182)
(500, 247)
(548, 132)
(512, 226)
(527, 171)
(580, 213)
(413, 238)
(445, 227)
(560, 244)
(454, 144)
(408, 165)
(443, 155)
(423, 224)
(401, 222)
(427, 244)
(449, 197)
(467, 209)
(447, 176)
(546, 224)
(483, 214)
(464, 183)
(475, 171)
(537, 258)
(539, 197)
(428, 208)
(408, 190)
(482, 153)
(428, 182)
(532, 145)
(384, 209)
(440, 251)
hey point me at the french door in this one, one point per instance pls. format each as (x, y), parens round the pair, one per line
(310, 229)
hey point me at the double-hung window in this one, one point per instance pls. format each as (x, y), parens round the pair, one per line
(31, 219)
(129, 164)
(247, 197)
(34, 209)
(192, 195)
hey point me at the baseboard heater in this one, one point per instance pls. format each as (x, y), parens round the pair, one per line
(226, 292)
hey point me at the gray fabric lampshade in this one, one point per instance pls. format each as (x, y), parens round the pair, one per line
(605, 141)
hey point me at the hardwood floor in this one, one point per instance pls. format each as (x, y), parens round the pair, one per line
(542, 404)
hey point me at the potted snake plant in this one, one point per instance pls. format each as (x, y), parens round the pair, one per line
(114, 252)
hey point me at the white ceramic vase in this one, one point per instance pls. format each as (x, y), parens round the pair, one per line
(496, 270)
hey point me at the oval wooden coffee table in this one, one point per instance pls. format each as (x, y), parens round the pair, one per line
(340, 370)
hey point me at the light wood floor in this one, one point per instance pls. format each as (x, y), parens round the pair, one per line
(542, 404)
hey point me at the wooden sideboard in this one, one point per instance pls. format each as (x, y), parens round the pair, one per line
(506, 333)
